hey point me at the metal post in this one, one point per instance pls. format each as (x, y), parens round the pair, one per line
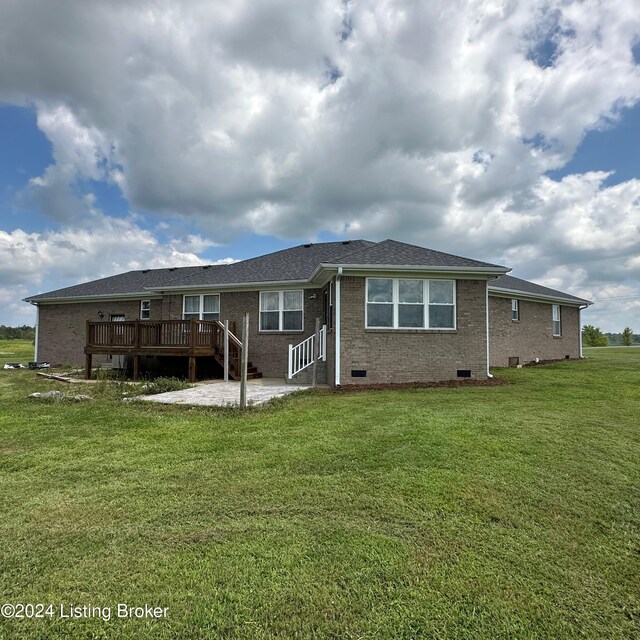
(226, 350)
(243, 365)
(316, 353)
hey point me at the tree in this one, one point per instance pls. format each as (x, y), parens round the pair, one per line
(627, 337)
(593, 337)
(17, 333)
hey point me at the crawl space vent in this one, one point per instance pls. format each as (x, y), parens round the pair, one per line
(358, 373)
(464, 373)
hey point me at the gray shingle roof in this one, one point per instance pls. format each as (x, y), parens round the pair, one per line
(392, 252)
(510, 283)
(294, 264)
(131, 282)
(297, 263)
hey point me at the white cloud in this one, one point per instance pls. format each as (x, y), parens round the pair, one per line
(432, 121)
(99, 247)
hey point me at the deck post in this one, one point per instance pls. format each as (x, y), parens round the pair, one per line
(316, 353)
(137, 336)
(192, 368)
(226, 350)
(192, 334)
(136, 367)
(244, 360)
(87, 366)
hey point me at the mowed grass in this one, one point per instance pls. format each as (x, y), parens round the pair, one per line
(487, 512)
(16, 351)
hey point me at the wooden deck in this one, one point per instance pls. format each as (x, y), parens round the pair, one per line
(190, 338)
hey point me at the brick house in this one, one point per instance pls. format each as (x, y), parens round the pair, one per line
(389, 312)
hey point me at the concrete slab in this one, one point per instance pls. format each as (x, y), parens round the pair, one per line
(218, 393)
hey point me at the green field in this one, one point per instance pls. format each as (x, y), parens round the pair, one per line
(487, 512)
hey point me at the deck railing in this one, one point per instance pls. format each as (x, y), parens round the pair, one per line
(302, 355)
(235, 347)
(147, 334)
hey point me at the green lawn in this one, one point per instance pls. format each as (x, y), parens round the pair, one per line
(488, 512)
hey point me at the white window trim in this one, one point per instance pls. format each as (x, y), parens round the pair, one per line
(148, 310)
(281, 311)
(554, 308)
(426, 304)
(201, 304)
(515, 306)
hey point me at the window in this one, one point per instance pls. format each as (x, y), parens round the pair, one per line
(201, 307)
(145, 309)
(515, 311)
(380, 302)
(281, 310)
(555, 316)
(405, 303)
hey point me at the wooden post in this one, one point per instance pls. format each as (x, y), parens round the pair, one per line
(192, 347)
(87, 365)
(244, 360)
(192, 334)
(137, 336)
(316, 353)
(136, 367)
(226, 350)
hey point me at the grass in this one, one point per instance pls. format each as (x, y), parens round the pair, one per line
(493, 512)
(16, 351)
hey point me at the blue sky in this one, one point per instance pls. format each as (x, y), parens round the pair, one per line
(202, 131)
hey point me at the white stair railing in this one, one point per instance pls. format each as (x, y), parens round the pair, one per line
(302, 355)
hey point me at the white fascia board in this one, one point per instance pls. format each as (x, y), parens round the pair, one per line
(367, 269)
(106, 297)
(244, 286)
(497, 292)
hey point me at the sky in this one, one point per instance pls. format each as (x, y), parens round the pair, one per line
(149, 133)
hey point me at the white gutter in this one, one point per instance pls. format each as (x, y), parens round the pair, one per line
(492, 271)
(103, 297)
(499, 292)
(251, 286)
(580, 330)
(337, 332)
(489, 375)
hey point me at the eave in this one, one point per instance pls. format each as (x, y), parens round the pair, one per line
(235, 286)
(442, 270)
(105, 297)
(536, 297)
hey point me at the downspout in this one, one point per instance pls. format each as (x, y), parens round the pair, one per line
(580, 330)
(337, 332)
(35, 351)
(489, 375)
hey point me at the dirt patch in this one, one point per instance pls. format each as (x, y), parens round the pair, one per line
(490, 382)
(533, 363)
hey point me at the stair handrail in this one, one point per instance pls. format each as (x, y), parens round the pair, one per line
(301, 355)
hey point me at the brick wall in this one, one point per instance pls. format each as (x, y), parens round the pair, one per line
(390, 355)
(531, 336)
(62, 327)
(268, 351)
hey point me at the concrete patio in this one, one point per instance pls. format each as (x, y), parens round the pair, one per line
(218, 393)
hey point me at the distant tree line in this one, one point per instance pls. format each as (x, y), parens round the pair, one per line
(594, 337)
(17, 333)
